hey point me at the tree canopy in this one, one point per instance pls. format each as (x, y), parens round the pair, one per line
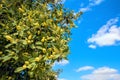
(34, 34)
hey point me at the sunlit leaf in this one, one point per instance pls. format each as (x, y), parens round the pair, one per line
(19, 69)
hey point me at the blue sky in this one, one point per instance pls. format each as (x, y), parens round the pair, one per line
(95, 44)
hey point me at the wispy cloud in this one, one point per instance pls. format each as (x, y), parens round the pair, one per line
(104, 70)
(91, 4)
(107, 35)
(92, 46)
(102, 73)
(85, 9)
(62, 79)
(95, 2)
(85, 68)
(62, 62)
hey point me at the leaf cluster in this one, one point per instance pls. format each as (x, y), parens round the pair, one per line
(33, 35)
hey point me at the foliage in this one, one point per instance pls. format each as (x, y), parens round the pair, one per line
(33, 35)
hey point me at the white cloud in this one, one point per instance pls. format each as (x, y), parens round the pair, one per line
(85, 68)
(90, 5)
(62, 62)
(103, 73)
(85, 9)
(62, 79)
(107, 35)
(95, 2)
(105, 70)
(92, 46)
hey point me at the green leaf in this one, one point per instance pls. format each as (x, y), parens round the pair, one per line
(39, 47)
(8, 45)
(24, 42)
(6, 58)
(38, 43)
(19, 69)
(34, 66)
(32, 46)
(15, 57)
(56, 56)
(29, 66)
(32, 60)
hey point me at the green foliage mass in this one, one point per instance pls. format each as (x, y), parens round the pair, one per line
(33, 35)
